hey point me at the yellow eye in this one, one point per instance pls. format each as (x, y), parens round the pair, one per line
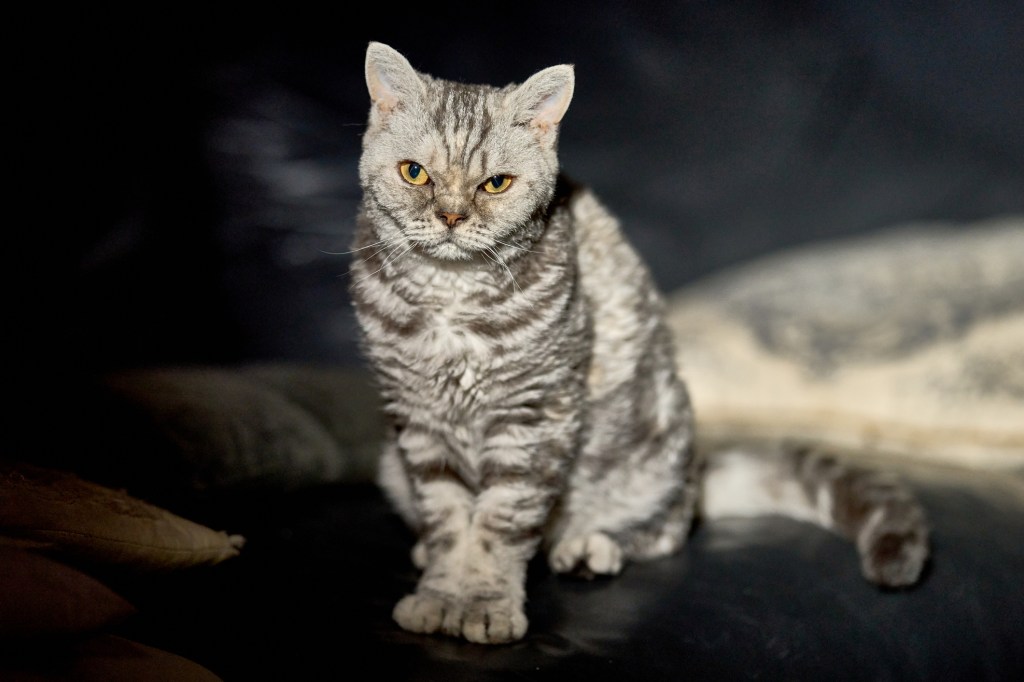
(496, 184)
(413, 173)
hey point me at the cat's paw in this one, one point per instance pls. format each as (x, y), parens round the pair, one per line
(596, 554)
(485, 621)
(420, 559)
(894, 557)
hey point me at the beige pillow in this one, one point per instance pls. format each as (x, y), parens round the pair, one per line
(71, 517)
(905, 343)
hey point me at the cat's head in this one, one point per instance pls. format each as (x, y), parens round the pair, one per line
(459, 168)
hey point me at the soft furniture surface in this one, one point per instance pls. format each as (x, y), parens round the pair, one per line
(41, 596)
(106, 658)
(278, 426)
(768, 599)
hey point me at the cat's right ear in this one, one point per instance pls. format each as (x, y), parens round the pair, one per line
(542, 100)
(390, 78)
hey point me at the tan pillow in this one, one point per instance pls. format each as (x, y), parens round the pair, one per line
(40, 596)
(906, 343)
(76, 518)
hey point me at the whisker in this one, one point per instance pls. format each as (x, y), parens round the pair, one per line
(387, 261)
(387, 245)
(514, 246)
(494, 257)
(384, 248)
(345, 253)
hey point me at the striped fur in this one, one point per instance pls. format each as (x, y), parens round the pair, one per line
(520, 351)
(874, 510)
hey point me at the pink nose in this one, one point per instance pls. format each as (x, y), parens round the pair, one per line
(450, 218)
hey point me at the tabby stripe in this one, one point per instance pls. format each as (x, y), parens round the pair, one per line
(540, 316)
(515, 536)
(484, 129)
(389, 323)
(430, 472)
(382, 208)
(493, 476)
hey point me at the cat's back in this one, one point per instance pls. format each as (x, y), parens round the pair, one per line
(607, 260)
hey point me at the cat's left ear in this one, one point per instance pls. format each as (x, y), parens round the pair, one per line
(541, 101)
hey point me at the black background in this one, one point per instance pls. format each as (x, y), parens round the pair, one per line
(216, 152)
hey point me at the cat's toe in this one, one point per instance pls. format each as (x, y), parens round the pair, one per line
(420, 613)
(565, 555)
(493, 621)
(895, 558)
(419, 555)
(603, 555)
(594, 554)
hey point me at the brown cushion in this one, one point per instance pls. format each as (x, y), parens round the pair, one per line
(907, 343)
(76, 518)
(39, 596)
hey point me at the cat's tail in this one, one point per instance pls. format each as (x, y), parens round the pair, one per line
(875, 510)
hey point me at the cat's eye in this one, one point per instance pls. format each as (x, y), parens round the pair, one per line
(496, 184)
(413, 173)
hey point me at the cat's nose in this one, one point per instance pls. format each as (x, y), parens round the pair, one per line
(451, 219)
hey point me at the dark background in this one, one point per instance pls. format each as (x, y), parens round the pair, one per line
(217, 153)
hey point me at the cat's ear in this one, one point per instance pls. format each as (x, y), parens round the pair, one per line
(541, 101)
(390, 78)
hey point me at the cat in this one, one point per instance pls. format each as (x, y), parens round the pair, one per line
(528, 377)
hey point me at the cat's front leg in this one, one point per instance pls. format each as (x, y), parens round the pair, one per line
(473, 580)
(476, 539)
(470, 586)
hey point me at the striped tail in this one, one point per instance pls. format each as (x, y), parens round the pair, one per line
(874, 510)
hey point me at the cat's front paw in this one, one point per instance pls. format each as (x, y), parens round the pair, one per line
(481, 620)
(594, 554)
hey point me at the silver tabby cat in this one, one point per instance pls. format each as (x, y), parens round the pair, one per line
(520, 351)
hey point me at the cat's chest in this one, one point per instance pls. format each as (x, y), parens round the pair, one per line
(432, 322)
(460, 344)
(449, 310)
(448, 363)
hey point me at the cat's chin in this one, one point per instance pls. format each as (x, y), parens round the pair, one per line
(449, 252)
